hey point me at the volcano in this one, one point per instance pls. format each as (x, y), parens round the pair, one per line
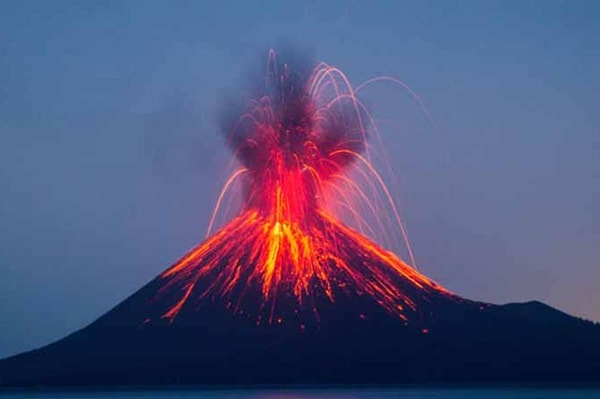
(289, 292)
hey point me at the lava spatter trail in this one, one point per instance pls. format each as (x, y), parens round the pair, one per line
(296, 142)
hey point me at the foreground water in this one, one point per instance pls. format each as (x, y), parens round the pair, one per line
(337, 393)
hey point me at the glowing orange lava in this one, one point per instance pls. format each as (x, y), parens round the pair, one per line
(295, 144)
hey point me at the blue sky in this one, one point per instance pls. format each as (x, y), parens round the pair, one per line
(111, 159)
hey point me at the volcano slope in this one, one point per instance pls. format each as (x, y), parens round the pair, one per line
(353, 340)
(286, 293)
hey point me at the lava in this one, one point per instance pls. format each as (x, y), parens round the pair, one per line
(296, 144)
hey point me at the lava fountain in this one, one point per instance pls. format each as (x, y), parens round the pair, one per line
(286, 254)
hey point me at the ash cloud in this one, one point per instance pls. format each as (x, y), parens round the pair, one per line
(278, 109)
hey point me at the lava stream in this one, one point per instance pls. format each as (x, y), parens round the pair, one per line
(296, 143)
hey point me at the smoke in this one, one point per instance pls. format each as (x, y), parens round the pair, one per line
(298, 112)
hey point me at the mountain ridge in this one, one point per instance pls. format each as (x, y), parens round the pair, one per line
(458, 342)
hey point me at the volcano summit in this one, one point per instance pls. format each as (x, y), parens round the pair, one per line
(295, 144)
(286, 292)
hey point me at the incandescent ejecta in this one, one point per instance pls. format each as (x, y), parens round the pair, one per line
(296, 142)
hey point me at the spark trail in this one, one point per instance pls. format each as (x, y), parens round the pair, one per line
(296, 143)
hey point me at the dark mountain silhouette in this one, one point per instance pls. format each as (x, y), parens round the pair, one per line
(354, 341)
(287, 293)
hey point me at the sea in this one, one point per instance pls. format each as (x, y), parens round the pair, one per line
(320, 393)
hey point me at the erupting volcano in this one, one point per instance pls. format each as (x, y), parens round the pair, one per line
(294, 288)
(296, 143)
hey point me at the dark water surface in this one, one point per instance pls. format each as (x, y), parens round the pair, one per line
(333, 393)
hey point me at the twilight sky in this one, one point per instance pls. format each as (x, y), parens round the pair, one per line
(111, 159)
